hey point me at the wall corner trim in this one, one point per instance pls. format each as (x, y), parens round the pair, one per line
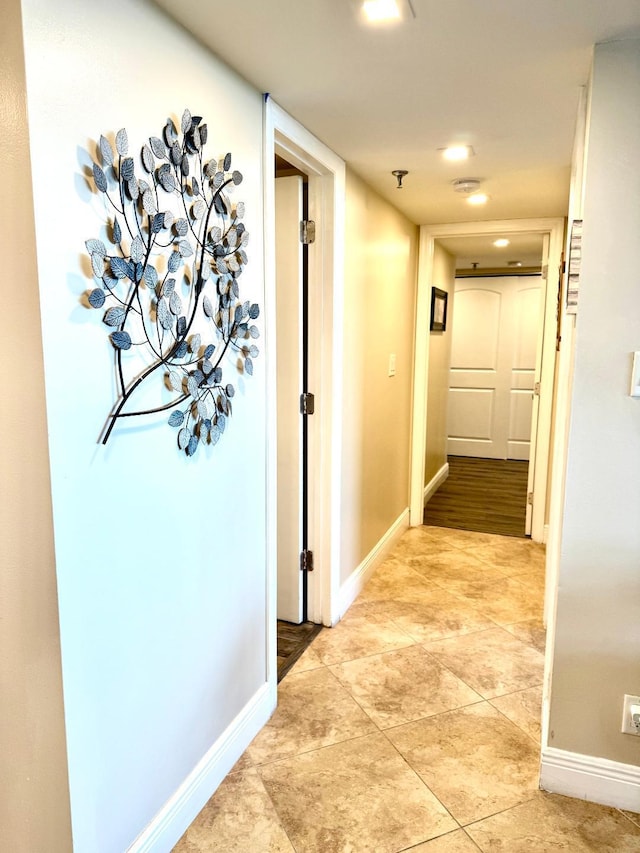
(173, 819)
(352, 587)
(435, 482)
(587, 777)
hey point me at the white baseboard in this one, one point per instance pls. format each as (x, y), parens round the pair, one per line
(351, 588)
(435, 482)
(587, 777)
(167, 827)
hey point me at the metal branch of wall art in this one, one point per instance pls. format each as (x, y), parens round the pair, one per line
(169, 281)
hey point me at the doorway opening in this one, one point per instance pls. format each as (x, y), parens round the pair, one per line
(325, 177)
(494, 353)
(294, 632)
(549, 234)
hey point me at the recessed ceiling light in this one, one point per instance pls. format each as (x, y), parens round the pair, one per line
(386, 11)
(457, 152)
(501, 243)
(381, 10)
(514, 263)
(478, 198)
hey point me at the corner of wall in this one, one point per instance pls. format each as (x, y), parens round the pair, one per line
(34, 790)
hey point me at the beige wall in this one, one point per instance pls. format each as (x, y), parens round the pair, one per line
(380, 281)
(444, 271)
(34, 794)
(598, 617)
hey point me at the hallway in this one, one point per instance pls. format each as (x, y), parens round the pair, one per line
(485, 495)
(414, 724)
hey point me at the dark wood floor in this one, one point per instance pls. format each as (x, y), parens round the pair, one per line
(292, 641)
(485, 495)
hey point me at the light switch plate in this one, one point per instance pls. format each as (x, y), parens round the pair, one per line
(392, 364)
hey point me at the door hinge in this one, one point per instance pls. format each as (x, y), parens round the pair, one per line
(536, 389)
(530, 498)
(307, 231)
(307, 403)
(545, 271)
(306, 561)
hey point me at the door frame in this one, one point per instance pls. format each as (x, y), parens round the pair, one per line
(326, 172)
(429, 234)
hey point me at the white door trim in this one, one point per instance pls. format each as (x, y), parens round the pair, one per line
(428, 236)
(326, 288)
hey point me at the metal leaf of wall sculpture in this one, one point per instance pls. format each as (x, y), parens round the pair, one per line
(168, 281)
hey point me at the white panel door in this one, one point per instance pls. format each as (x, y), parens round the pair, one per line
(493, 363)
(526, 299)
(289, 384)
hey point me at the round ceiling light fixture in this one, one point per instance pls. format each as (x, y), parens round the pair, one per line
(501, 243)
(466, 185)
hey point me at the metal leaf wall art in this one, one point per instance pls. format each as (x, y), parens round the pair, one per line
(168, 280)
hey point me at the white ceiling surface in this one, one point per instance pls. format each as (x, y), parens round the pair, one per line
(500, 75)
(526, 248)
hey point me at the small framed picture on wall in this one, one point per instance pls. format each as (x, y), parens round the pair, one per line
(438, 310)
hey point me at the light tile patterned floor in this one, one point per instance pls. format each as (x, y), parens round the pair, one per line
(415, 723)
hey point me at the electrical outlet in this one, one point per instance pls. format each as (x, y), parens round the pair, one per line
(631, 715)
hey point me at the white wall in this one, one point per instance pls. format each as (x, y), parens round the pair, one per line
(598, 617)
(34, 795)
(160, 559)
(379, 310)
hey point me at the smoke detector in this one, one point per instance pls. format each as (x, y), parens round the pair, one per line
(466, 185)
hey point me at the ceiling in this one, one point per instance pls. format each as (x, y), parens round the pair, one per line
(526, 249)
(501, 75)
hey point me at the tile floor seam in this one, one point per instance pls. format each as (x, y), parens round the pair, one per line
(465, 633)
(441, 663)
(518, 690)
(472, 840)
(517, 805)
(364, 711)
(369, 655)
(469, 601)
(440, 837)
(475, 689)
(455, 592)
(431, 791)
(415, 642)
(536, 741)
(480, 701)
(274, 761)
(472, 823)
(275, 808)
(484, 630)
